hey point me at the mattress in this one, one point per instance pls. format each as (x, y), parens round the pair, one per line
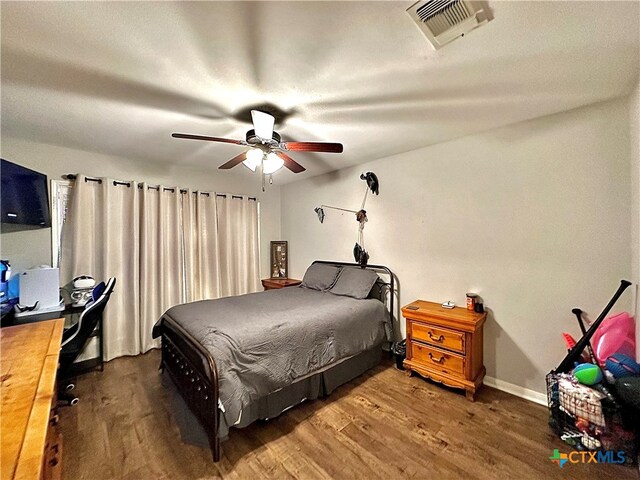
(264, 342)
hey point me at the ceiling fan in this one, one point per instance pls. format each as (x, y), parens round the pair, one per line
(267, 148)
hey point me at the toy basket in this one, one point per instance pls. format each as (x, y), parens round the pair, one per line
(588, 419)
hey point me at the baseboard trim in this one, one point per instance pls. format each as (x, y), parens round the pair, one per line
(517, 390)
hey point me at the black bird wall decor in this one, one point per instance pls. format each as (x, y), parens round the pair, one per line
(372, 181)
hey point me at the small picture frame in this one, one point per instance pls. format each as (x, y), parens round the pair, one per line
(279, 259)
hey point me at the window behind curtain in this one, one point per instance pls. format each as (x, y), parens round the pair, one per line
(60, 191)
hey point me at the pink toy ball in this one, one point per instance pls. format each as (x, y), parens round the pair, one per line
(616, 334)
(621, 365)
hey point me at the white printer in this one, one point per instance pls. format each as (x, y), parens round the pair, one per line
(39, 295)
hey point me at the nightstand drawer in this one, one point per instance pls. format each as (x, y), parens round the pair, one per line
(440, 337)
(437, 359)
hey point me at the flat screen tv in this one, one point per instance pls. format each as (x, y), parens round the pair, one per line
(24, 198)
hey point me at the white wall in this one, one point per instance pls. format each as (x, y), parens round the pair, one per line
(634, 116)
(27, 248)
(534, 217)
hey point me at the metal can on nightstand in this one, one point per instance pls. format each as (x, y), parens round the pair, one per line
(471, 301)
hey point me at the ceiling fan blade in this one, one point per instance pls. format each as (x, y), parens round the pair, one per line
(263, 124)
(238, 159)
(290, 163)
(209, 139)
(312, 147)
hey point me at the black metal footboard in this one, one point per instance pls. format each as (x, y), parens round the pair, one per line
(193, 370)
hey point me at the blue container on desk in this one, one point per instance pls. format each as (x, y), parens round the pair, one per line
(14, 287)
(5, 272)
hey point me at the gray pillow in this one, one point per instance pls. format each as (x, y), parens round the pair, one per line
(320, 277)
(354, 282)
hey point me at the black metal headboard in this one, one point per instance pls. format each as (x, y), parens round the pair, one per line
(377, 268)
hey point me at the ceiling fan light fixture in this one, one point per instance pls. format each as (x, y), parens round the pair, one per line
(265, 147)
(272, 163)
(254, 157)
(263, 124)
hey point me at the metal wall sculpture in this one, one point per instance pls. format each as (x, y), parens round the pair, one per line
(359, 253)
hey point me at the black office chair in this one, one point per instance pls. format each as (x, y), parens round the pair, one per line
(75, 338)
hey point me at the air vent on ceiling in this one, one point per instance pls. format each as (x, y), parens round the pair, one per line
(442, 21)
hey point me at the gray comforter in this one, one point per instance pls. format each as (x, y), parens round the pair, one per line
(262, 342)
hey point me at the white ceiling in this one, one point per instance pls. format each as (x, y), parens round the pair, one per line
(118, 78)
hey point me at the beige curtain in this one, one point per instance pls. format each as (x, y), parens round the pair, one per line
(100, 238)
(239, 245)
(165, 246)
(161, 259)
(199, 220)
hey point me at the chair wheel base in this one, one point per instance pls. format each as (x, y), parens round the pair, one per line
(68, 398)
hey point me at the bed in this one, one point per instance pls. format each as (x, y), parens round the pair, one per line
(238, 359)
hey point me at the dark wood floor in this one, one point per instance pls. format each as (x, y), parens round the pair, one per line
(382, 425)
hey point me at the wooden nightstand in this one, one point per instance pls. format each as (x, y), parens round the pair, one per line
(276, 283)
(445, 345)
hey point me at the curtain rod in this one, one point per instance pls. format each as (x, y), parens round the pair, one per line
(73, 176)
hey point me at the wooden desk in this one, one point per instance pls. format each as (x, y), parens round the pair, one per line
(276, 283)
(29, 446)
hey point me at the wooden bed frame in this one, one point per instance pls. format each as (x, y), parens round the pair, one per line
(193, 369)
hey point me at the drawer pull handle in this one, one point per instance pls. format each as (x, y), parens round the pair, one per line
(440, 360)
(54, 419)
(435, 339)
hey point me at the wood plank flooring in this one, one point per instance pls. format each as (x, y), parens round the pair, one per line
(381, 425)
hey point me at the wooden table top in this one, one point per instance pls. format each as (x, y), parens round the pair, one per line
(280, 282)
(28, 364)
(459, 315)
